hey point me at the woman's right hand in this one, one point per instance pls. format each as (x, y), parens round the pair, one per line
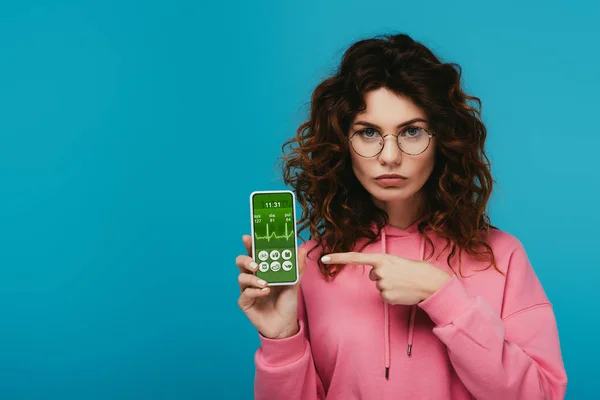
(273, 310)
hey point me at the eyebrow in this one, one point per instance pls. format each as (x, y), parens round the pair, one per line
(370, 125)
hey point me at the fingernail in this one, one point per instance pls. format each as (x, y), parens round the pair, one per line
(261, 282)
(264, 289)
(325, 258)
(253, 265)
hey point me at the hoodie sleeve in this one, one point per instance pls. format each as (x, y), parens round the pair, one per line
(285, 368)
(515, 355)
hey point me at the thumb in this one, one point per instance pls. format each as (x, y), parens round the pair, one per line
(247, 240)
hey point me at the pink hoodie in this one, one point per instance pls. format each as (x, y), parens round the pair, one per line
(485, 336)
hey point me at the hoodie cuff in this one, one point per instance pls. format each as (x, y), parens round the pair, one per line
(283, 351)
(450, 301)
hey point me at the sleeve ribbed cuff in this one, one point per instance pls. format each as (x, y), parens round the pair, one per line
(283, 351)
(450, 301)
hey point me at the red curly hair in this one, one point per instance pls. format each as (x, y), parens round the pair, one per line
(318, 167)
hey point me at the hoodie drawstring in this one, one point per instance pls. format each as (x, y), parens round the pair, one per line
(386, 312)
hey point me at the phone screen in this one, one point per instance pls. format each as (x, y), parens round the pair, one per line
(274, 236)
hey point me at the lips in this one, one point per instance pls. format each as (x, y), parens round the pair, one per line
(391, 180)
(390, 176)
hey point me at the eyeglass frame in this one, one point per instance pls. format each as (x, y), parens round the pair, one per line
(429, 136)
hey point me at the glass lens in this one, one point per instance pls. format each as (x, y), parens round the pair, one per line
(413, 140)
(367, 143)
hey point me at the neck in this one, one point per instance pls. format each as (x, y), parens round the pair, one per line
(403, 213)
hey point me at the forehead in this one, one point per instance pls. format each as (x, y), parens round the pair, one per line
(386, 108)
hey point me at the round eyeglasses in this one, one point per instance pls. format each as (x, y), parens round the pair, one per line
(412, 140)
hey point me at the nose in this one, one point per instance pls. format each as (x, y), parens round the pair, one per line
(391, 153)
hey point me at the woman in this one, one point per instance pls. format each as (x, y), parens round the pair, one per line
(407, 290)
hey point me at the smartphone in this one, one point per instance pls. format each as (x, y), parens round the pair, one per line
(274, 242)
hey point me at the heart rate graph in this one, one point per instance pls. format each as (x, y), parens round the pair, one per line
(274, 228)
(273, 235)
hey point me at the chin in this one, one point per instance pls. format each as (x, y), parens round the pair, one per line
(391, 194)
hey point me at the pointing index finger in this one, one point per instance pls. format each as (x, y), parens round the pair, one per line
(353, 258)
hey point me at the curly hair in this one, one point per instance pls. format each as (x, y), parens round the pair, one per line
(318, 168)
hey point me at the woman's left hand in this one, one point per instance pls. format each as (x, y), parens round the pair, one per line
(399, 280)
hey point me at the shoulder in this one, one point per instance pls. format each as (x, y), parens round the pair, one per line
(504, 244)
(506, 248)
(512, 258)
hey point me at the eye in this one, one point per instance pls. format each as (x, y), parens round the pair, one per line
(413, 132)
(368, 133)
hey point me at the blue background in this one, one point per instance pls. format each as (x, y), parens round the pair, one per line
(131, 134)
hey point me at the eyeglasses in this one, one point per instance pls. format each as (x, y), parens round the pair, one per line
(413, 141)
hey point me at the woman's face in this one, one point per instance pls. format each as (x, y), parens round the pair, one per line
(389, 115)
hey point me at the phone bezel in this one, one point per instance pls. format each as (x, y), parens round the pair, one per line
(295, 231)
